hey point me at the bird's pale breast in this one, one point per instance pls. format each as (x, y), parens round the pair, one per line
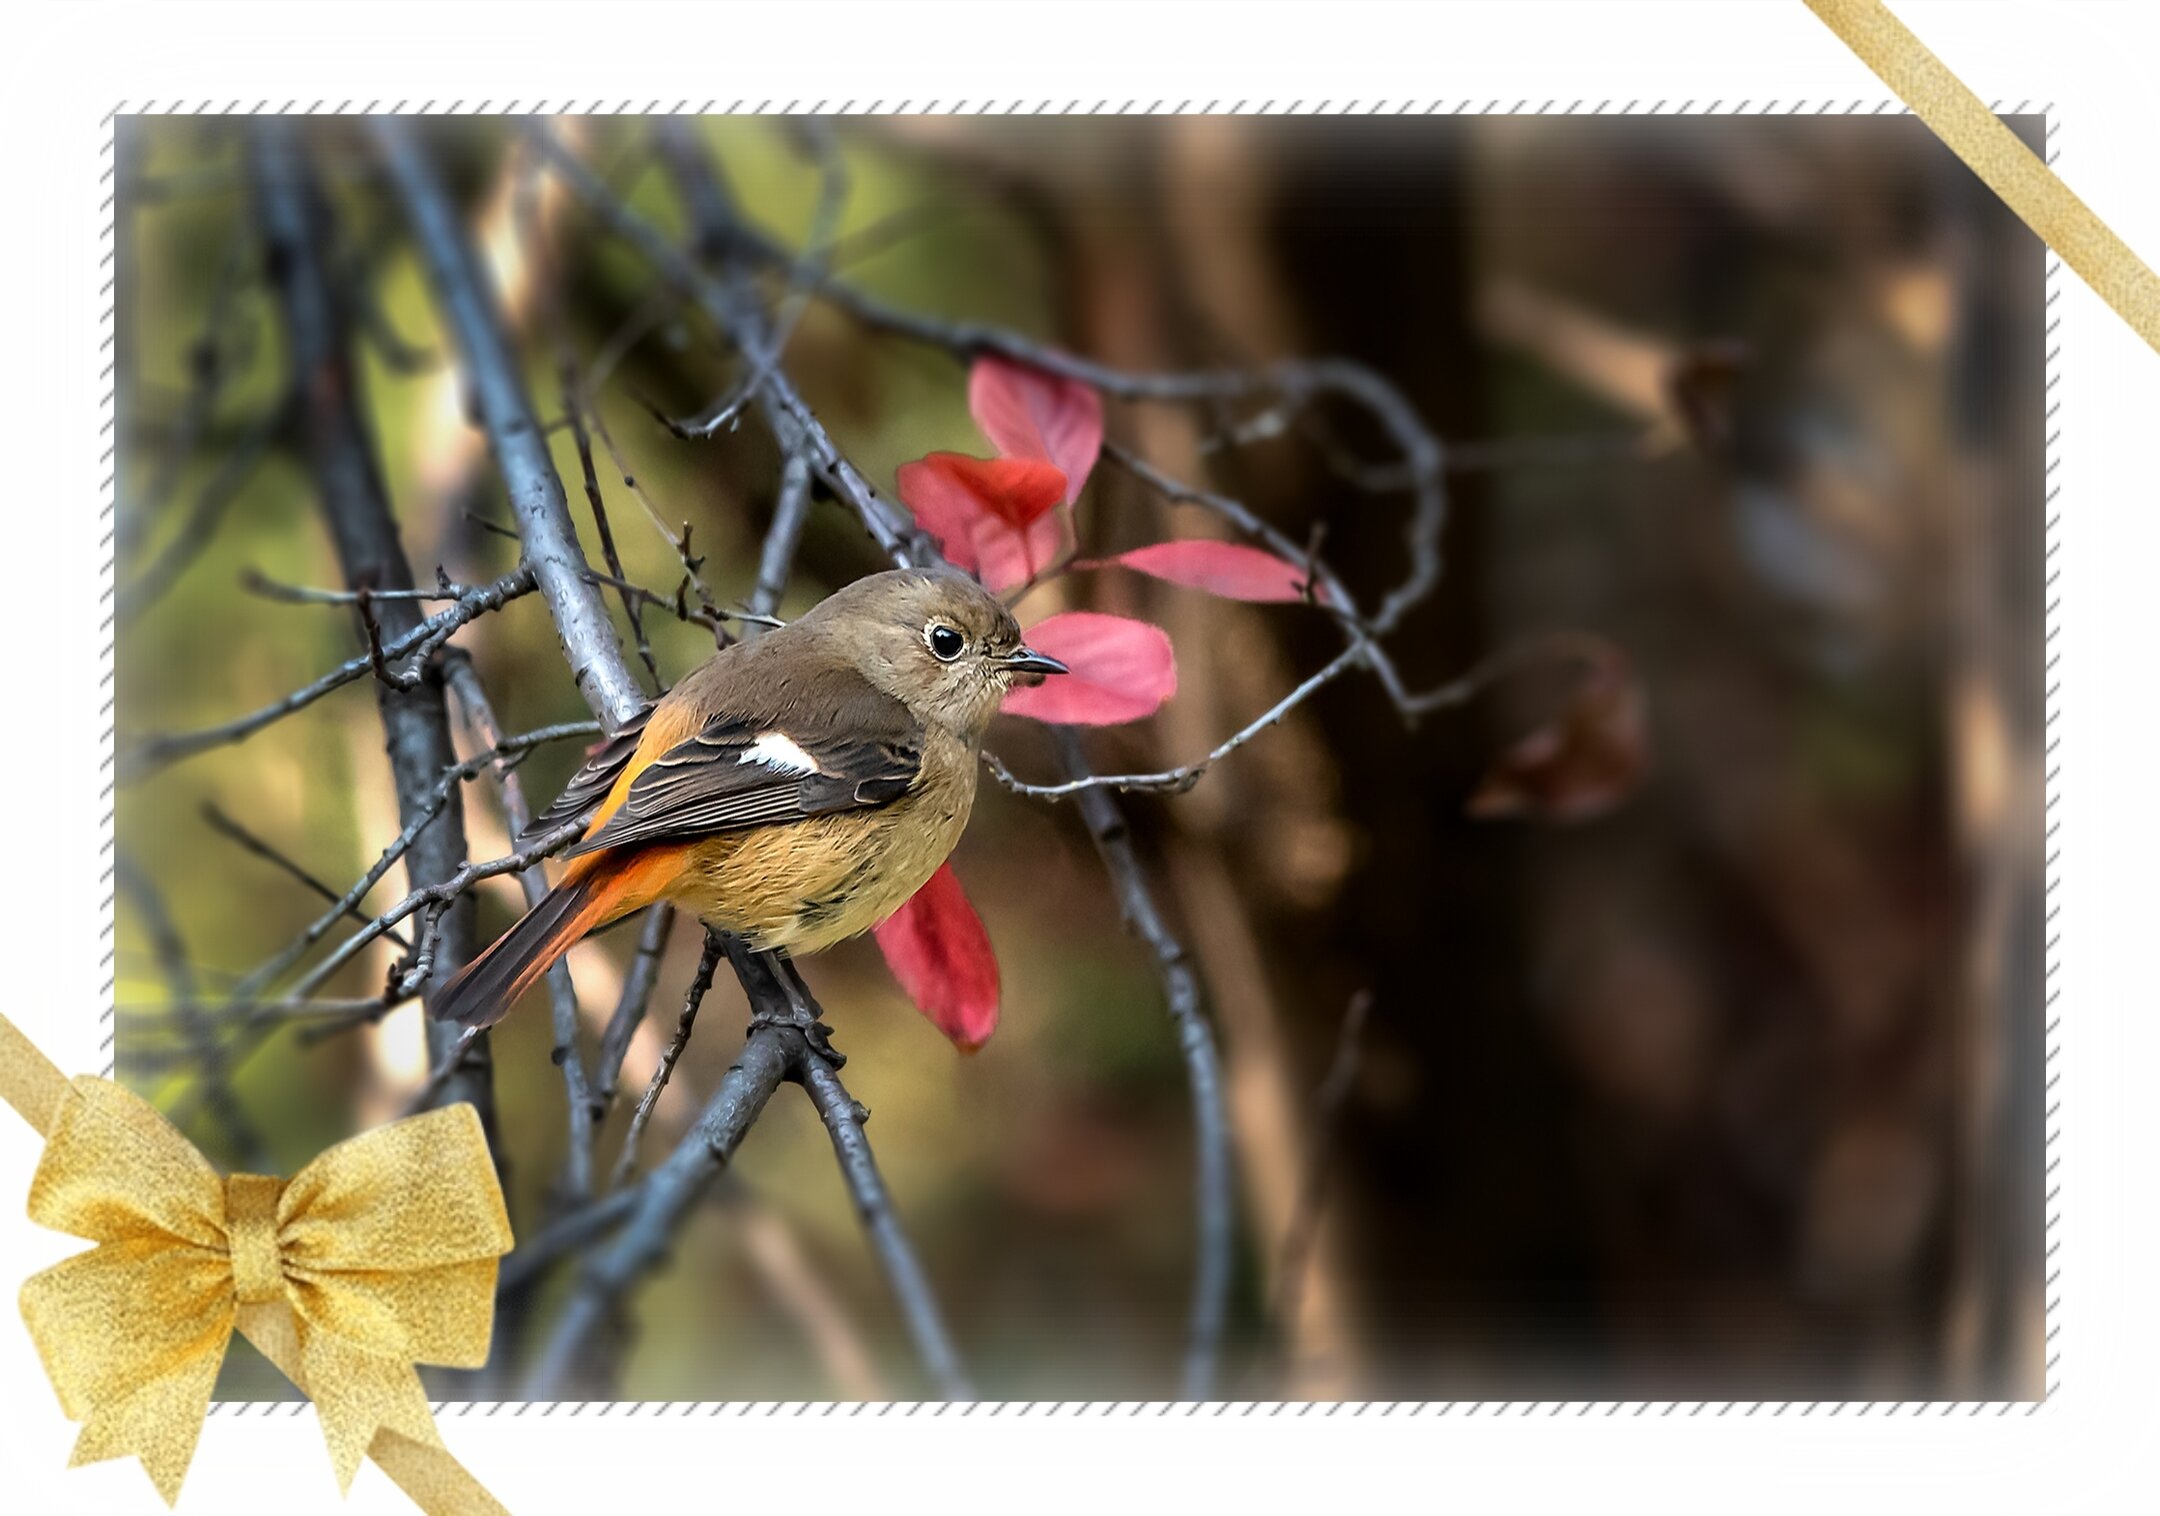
(811, 883)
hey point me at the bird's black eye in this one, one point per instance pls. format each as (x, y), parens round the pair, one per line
(945, 643)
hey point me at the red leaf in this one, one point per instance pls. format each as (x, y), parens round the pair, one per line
(1585, 761)
(1224, 568)
(957, 488)
(1030, 414)
(1121, 670)
(992, 516)
(1006, 558)
(941, 955)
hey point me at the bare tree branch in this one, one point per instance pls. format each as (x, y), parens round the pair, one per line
(255, 582)
(523, 1265)
(208, 369)
(844, 1119)
(802, 273)
(1295, 384)
(465, 684)
(664, 1200)
(784, 1036)
(712, 617)
(473, 313)
(435, 896)
(1180, 779)
(157, 752)
(637, 989)
(731, 307)
(791, 508)
(217, 493)
(296, 229)
(232, 830)
(700, 982)
(547, 280)
(196, 1027)
(799, 434)
(1203, 1072)
(263, 1016)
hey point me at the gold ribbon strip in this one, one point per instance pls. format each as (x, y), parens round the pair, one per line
(379, 1254)
(2006, 165)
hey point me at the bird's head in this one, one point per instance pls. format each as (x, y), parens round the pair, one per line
(936, 641)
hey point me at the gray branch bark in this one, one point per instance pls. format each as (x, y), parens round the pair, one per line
(773, 1052)
(319, 328)
(721, 237)
(490, 370)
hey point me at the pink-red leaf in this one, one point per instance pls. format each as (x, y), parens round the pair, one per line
(1030, 414)
(1122, 669)
(996, 517)
(953, 486)
(1005, 557)
(1225, 568)
(941, 955)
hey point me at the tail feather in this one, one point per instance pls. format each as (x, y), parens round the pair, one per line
(588, 899)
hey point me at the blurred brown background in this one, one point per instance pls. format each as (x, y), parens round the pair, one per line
(1731, 1090)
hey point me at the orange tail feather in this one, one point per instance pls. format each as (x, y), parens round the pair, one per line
(595, 891)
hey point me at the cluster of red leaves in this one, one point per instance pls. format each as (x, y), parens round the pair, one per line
(1009, 521)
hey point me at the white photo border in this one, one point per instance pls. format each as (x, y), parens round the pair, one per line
(1959, 1468)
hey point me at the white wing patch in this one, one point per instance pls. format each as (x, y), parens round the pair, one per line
(777, 750)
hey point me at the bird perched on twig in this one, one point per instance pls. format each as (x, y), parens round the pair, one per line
(792, 791)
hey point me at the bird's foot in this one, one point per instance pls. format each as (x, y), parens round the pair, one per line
(814, 1031)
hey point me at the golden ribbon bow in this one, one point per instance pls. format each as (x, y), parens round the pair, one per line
(379, 1254)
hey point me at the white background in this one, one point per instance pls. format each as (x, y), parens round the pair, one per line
(2089, 1449)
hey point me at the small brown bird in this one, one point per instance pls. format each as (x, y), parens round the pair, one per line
(792, 791)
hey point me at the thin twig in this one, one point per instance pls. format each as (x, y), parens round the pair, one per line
(664, 1200)
(595, 656)
(700, 982)
(547, 279)
(678, 540)
(803, 272)
(732, 308)
(196, 1026)
(158, 752)
(565, 1234)
(432, 896)
(582, 439)
(1180, 779)
(230, 1011)
(473, 312)
(208, 370)
(1294, 384)
(844, 1118)
(800, 433)
(791, 509)
(464, 681)
(217, 494)
(712, 617)
(256, 582)
(1212, 1191)
(226, 827)
(320, 328)
(637, 989)
(459, 773)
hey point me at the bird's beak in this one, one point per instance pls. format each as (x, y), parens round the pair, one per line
(1025, 660)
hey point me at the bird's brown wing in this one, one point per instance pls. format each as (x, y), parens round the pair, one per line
(590, 784)
(744, 771)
